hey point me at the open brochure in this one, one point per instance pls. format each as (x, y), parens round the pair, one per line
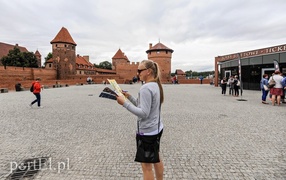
(109, 93)
(116, 87)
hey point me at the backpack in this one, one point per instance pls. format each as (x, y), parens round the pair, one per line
(32, 88)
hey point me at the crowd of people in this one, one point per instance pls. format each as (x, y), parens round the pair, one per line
(275, 86)
(233, 83)
(276, 91)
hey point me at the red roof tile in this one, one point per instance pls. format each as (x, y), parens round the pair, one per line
(180, 72)
(120, 55)
(106, 70)
(63, 36)
(50, 60)
(37, 53)
(80, 60)
(5, 48)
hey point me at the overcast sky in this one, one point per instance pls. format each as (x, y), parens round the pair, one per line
(197, 30)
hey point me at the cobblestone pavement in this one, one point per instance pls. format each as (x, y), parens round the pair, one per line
(206, 135)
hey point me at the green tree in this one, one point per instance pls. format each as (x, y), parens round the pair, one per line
(49, 56)
(29, 59)
(104, 65)
(96, 65)
(4, 61)
(20, 59)
(195, 74)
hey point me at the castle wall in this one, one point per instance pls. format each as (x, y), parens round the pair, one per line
(183, 80)
(13, 75)
(127, 70)
(115, 62)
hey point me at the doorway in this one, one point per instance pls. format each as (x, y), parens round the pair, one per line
(227, 74)
(268, 71)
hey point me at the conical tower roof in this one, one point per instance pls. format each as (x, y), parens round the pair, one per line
(37, 53)
(119, 55)
(63, 36)
(159, 47)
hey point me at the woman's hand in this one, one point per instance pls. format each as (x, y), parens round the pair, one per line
(121, 100)
(126, 94)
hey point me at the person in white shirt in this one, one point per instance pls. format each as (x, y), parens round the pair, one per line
(277, 91)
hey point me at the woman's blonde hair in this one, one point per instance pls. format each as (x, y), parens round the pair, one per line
(149, 64)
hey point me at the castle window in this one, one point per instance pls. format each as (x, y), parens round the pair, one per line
(50, 65)
(65, 45)
(166, 52)
(56, 45)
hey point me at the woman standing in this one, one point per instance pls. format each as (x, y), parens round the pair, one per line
(276, 91)
(236, 84)
(223, 83)
(264, 82)
(147, 108)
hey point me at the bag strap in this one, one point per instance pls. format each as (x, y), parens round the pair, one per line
(159, 117)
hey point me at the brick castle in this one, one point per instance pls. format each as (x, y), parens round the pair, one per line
(67, 67)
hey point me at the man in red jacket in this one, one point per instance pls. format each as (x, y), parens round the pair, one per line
(37, 92)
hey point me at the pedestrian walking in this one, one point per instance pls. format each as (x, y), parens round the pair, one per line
(36, 86)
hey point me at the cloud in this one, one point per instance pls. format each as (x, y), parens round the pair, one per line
(197, 31)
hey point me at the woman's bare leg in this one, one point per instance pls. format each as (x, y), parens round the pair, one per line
(147, 169)
(273, 99)
(159, 170)
(278, 100)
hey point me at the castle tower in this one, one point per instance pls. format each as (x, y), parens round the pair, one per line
(64, 54)
(39, 59)
(162, 55)
(119, 58)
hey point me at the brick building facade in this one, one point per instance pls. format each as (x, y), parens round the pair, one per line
(65, 66)
(67, 63)
(254, 64)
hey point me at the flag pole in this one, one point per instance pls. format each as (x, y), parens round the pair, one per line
(239, 73)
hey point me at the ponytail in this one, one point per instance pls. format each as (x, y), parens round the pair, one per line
(156, 73)
(158, 80)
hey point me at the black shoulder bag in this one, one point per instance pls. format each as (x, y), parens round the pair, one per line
(148, 146)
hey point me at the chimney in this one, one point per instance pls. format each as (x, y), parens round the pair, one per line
(77, 55)
(150, 45)
(86, 58)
